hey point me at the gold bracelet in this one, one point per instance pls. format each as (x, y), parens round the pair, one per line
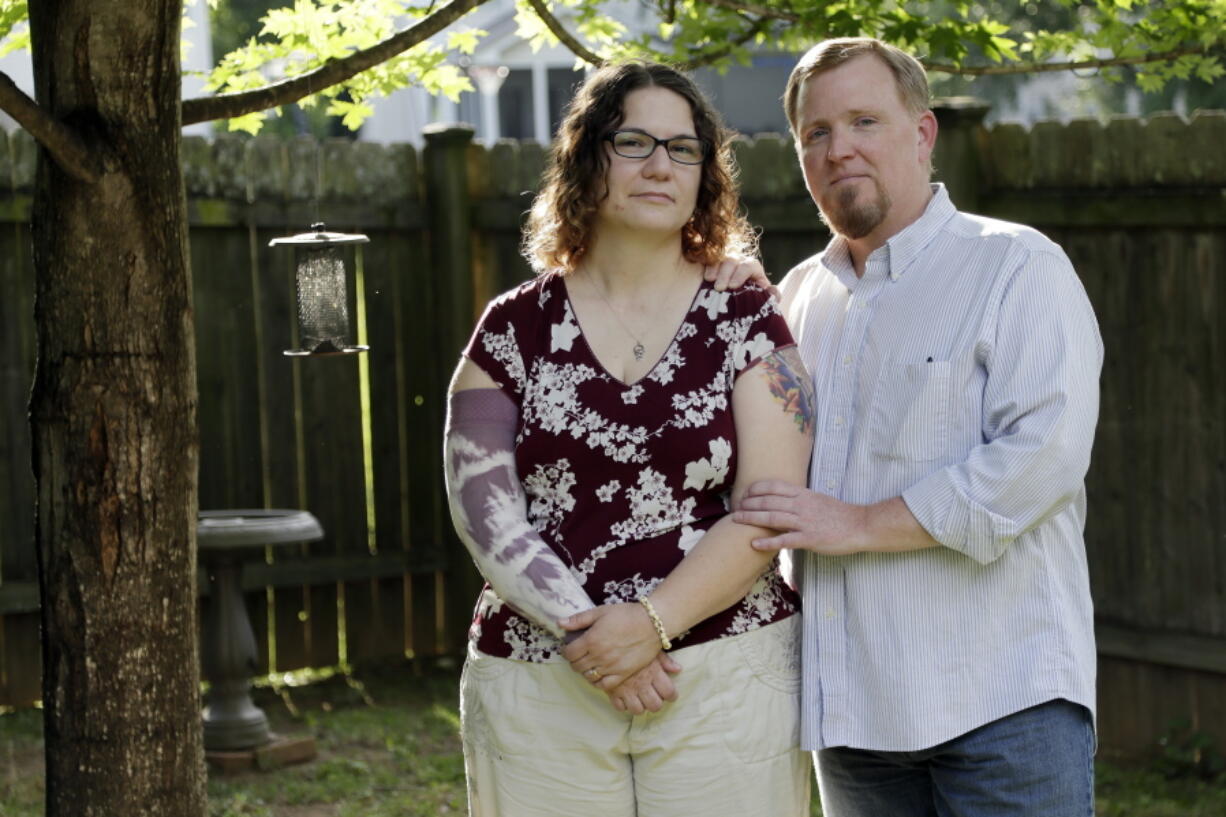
(655, 620)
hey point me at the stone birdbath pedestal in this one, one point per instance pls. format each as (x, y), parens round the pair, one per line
(236, 733)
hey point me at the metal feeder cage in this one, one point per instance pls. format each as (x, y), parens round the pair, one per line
(322, 293)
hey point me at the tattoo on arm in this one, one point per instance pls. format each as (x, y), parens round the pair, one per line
(791, 385)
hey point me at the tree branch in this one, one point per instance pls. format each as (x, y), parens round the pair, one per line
(226, 106)
(59, 140)
(565, 37)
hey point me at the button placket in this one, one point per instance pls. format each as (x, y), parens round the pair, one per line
(832, 652)
(837, 430)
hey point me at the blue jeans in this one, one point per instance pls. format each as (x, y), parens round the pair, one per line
(1035, 763)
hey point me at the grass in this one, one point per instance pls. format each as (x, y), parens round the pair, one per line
(389, 746)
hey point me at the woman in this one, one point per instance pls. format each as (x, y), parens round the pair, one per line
(603, 420)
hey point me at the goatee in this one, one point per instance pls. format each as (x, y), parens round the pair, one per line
(850, 219)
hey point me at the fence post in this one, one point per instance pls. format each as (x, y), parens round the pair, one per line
(449, 220)
(959, 154)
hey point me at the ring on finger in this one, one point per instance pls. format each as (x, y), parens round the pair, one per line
(592, 674)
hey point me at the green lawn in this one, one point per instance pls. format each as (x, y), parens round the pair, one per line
(389, 747)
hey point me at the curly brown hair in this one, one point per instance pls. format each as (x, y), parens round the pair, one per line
(560, 224)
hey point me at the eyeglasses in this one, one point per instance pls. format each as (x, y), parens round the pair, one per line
(633, 144)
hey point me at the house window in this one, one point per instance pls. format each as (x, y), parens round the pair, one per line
(515, 105)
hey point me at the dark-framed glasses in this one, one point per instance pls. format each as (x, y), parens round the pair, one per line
(633, 144)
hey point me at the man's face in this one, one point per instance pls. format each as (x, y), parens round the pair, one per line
(864, 155)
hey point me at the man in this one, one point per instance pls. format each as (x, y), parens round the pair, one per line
(949, 655)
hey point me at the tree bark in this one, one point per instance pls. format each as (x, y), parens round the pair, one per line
(113, 414)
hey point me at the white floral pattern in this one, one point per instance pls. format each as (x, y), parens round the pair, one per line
(709, 471)
(714, 302)
(653, 509)
(505, 350)
(549, 486)
(565, 332)
(631, 589)
(759, 606)
(688, 538)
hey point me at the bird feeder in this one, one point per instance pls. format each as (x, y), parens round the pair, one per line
(321, 284)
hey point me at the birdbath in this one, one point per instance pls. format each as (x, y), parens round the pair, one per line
(224, 539)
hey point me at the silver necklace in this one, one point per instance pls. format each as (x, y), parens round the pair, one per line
(639, 350)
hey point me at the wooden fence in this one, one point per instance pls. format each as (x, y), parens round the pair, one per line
(1140, 205)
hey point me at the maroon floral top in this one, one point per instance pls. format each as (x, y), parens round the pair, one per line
(623, 479)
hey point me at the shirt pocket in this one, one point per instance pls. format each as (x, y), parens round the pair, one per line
(909, 417)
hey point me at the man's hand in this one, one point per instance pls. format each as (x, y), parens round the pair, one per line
(733, 273)
(648, 689)
(805, 519)
(620, 640)
(811, 521)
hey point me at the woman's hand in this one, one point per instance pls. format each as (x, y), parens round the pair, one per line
(620, 640)
(648, 689)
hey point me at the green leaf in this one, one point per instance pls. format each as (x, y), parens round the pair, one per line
(352, 114)
(14, 30)
(249, 123)
(465, 40)
(1209, 69)
(1150, 83)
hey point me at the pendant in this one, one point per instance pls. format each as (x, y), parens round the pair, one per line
(638, 351)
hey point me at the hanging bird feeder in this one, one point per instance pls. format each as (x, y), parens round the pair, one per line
(322, 290)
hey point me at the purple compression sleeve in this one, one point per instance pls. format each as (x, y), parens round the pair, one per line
(489, 511)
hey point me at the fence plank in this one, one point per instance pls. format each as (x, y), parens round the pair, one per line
(1113, 475)
(20, 652)
(335, 483)
(385, 616)
(1204, 301)
(16, 373)
(20, 659)
(226, 343)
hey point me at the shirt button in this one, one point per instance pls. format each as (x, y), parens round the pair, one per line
(846, 360)
(830, 612)
(838, 422)
(830, 484)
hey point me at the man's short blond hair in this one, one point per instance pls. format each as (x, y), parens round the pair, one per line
(909, 76)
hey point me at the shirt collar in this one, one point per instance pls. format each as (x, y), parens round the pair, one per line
(906, 245)
(901, 248)
(837, 259)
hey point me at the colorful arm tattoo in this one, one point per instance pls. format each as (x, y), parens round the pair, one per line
(791, 385)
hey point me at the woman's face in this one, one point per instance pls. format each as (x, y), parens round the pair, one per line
(655, 194)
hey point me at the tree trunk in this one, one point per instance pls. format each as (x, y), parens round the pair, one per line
(113, 411)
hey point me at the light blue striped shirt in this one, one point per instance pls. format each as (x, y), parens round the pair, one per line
(961, 373)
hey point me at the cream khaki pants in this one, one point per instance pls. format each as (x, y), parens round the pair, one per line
(539, 741)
